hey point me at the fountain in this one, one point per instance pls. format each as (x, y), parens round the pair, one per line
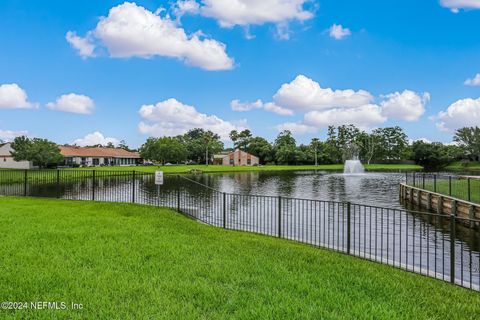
(352, 166)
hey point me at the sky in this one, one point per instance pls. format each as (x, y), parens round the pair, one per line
(89, 72)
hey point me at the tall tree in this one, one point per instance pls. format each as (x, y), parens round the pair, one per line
(40, 151)
(285, 148)
(469, 139)
(392, 144)
(261, 148)
(315, 144)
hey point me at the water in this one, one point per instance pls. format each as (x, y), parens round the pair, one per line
(353, 167)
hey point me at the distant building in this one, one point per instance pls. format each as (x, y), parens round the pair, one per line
(7, 162)
(91, 157)
(236, 158)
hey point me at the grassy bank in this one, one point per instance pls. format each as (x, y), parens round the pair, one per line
(460, 166)
(178, 169)
(458, 189)
(125, 261)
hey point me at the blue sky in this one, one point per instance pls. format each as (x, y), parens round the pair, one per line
(141, 71)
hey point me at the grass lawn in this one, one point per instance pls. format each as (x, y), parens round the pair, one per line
(459, 166)
(459, 188)
(218, 168)
(123, 261)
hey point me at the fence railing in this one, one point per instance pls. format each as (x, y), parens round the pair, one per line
(461, 187)
(426, 243)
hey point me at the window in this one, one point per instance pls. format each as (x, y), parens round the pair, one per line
(232, 162)
(4, 159)
(249, 161)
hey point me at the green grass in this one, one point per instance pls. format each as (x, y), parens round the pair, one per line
(124, 261)
(176, 169)
(459, 188)
(459, 166)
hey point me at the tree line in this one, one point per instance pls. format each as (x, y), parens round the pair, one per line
(382, 145)
(385, 145)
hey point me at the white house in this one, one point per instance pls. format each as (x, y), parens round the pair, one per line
(97, 156)
(7, 162)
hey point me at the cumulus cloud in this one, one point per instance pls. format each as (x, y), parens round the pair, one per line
(171, 117)
(9, 135)
(408, 105)
(363, 117)
(230, 13)
(305, 94)
(14, 97)
(456, 5)
(95, 138)
(462, 113)
(130, 30)
(74, 103)
(236, 105)
(84, 46)
(475, 81)
(297, 128)
(338, 32)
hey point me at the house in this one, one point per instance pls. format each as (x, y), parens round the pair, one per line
(236, 158)
(97, 156)
(7, 162)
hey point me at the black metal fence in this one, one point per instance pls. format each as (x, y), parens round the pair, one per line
(420, 242)
(461, 187)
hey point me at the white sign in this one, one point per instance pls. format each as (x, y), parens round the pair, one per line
(159, 177)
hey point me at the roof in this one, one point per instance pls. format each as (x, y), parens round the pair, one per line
(68, 151)
(5, 152)
(222, 156)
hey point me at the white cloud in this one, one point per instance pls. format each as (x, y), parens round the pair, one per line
(231, 13)
(338, 32)
(475, 81)
(462, 113)
(95, 138)
(183, 7)
(74, 103)
(236, 105)
(408, 105)
(304, 94)
(456, 5)
(297, 128)
(85, 46)
(133, 31)
(171, 117)
(363, 117)
(425, 140)
(9, 135)
(14, 97)
(278, 109)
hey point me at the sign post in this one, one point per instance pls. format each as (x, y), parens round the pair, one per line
(158, 183)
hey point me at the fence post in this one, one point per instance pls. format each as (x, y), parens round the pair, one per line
(349, 219)
(279, 216)
(469, 189)
(423, 181)
(58, 183)
(93, 185)
(406, 177)
(25, 182)
(133, 186)
(452, 240)
(414, 174)
(178, 199)
(435, 183)
(224, 210)
(450, 186)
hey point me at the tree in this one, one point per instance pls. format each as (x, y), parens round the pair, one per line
(285, 148)
(315, 144)
(469, 140)
(261, 148)
(392, 143)
(123, 145)
(434, 156)
(163, 150)
(39, 151)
